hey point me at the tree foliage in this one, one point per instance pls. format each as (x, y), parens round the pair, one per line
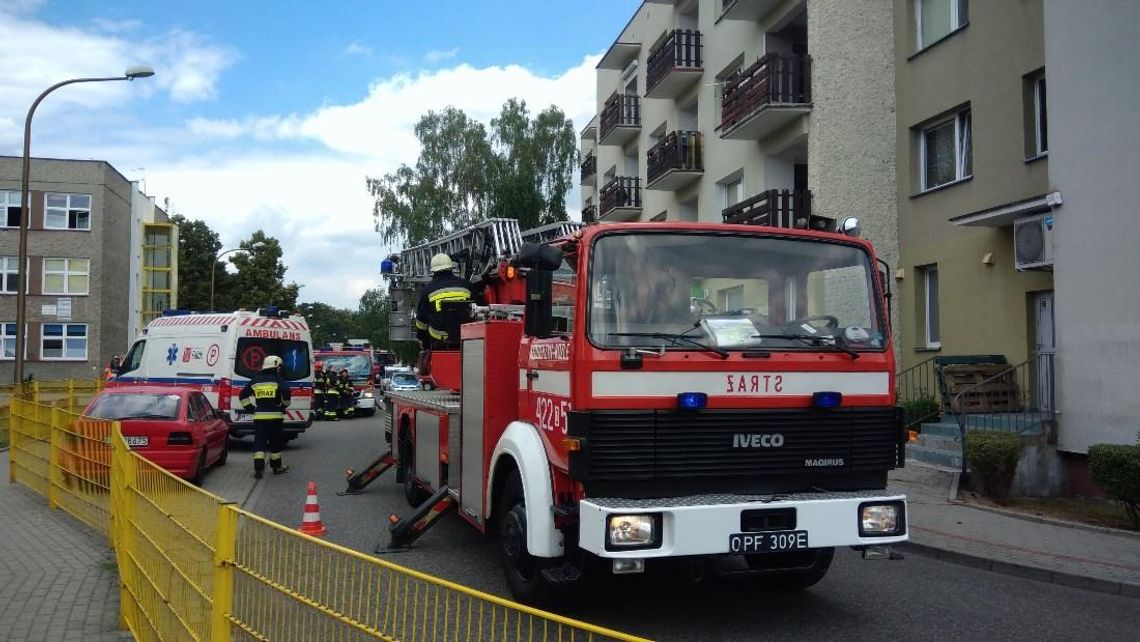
(260, 277)
(521, 169)
(368, 321)
(197, 247)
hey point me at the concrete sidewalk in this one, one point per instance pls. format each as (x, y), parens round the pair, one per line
(57, 577)
(1081, 556)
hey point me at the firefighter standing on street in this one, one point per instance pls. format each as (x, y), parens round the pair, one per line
(347, 400)
(444, 286)
(267, 396)
(319, 386)
(332, 395)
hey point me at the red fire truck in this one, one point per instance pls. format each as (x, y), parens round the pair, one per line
(717, 396)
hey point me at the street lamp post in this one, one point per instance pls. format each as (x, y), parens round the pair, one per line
(214, 268)
(141, 71)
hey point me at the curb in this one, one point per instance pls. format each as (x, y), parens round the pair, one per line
(1025, 571)
(1037, 519)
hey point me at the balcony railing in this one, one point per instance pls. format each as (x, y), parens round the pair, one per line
(620, 111)
(621, 192)
(677, 49)
(778, 208)
(774, 80)
(589, 213)
(589, 168)
(679, 151)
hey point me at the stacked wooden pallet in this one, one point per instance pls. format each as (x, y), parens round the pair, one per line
(999, 393)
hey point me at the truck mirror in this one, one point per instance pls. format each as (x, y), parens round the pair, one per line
(539, 257)
(539, 321)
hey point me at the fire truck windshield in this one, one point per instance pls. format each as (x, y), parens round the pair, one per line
(731, 291)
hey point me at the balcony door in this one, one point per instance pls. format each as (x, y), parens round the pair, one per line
(1045, 345)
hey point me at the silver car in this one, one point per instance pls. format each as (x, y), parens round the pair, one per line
(404, 381)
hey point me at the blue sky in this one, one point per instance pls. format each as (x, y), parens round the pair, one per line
(271, 114)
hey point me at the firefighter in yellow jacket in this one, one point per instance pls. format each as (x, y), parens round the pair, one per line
(267, 396)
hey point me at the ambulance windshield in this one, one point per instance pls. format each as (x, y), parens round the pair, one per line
(251, 351)
(732, 291)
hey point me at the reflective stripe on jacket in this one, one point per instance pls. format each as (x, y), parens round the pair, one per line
(267, 395)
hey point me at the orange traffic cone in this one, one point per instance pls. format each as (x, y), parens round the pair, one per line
(311, 521)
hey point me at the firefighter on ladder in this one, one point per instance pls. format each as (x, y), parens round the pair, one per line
(267, 396)
(445, 285)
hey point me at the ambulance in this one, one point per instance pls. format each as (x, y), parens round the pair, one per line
(217, 353)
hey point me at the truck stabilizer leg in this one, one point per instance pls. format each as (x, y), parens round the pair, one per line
(357, 481)
(407, 530)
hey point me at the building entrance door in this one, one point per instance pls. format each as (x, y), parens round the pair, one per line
(1045, 346)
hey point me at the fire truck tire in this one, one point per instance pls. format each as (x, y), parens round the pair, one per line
(798, 579)
(523, 571)
(413, 493)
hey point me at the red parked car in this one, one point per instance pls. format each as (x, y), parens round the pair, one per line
(176, 428)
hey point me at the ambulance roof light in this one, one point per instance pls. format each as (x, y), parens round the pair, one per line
(176, 313)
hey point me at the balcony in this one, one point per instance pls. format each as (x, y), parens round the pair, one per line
(766, 96)
(621, 199)
(674, 64)
(751, 10)
(778, 208)
(589, 169)
(675, 162)
(589, 213)
(621, 119)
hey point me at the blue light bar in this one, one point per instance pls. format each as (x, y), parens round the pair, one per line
(692, 400)
(827, 399)
(387, 267)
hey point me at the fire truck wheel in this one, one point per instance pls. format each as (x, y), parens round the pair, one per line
(798, 579)
(413, 493)
(523, 571)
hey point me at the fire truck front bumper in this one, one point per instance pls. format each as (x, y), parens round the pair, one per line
(740, 524)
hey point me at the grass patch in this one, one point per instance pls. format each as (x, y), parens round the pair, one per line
(1096, 512)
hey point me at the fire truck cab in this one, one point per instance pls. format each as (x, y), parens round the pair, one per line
(634, 393)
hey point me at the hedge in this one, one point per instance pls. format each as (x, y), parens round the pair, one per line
(993, 456)
(1116, 468)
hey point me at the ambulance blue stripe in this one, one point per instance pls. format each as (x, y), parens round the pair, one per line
(200, 381)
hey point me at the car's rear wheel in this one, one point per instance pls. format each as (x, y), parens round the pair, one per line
(200, 471)
(225, 454)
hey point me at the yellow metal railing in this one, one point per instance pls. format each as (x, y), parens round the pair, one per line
(70, 394)
(194, 566)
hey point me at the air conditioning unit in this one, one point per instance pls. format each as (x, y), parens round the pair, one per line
(1033, 242)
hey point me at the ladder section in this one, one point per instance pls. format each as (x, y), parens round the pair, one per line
(548, 233)
(477, 248)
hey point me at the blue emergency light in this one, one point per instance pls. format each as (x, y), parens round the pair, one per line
(692, 400)
(387, 266)
(827, 399)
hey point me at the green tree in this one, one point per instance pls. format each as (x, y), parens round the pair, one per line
(328, 324)
(522, 170)
(260, 277)
(197, 247)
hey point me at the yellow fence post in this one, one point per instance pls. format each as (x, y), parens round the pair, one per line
(225, 549)
(53, 460)
(126, 514)
(15, 419)
(36, 391)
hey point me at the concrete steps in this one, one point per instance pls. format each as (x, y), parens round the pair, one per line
(940, 443)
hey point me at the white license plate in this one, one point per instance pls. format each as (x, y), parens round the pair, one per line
(137, 442)
(775, 542)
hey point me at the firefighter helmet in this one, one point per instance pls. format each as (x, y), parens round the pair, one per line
(441, 262)
(271, 362)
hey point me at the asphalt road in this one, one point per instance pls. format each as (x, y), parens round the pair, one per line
(913, 598)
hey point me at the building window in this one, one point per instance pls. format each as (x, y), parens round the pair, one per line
(67, 211)
(731, 192)
(1040, 116)
(732, 299)
(66, 276)
(936, 19)
(946, 150)
(10, 209)
(9, 274)
(64, 341)
(932, 330)
(8, 333)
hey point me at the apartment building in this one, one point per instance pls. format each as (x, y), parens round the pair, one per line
(96, 246)
(760, 111)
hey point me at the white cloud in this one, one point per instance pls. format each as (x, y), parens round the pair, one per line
(439, 55)
(116, 26)
(357, 49)
(317, 204)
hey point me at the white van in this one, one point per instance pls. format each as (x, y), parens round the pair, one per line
(218, 353)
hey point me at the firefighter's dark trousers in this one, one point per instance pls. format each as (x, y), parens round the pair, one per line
(268, 434)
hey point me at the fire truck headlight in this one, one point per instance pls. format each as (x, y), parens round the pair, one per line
(881, 519)
(367, 395)
(633, 531)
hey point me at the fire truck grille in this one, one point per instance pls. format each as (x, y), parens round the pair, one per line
(667, 445)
